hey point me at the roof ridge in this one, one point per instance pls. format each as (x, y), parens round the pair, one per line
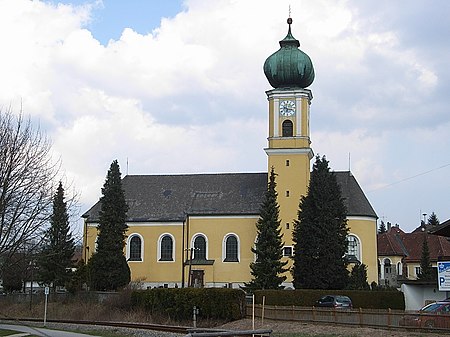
(401, 244)
(192, 174)
(390, 243)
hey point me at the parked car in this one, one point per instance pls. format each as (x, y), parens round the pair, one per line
(335, 301)
(436, 314)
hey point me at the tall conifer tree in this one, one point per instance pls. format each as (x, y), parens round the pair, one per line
(433, 220)
(382, 229)
(426, 270)
(320, 233)
(55, 261)
(268, 267)
(108, 267)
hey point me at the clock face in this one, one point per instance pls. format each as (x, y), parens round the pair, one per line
(287, 108)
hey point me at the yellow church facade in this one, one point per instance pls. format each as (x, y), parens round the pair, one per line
(198, 229)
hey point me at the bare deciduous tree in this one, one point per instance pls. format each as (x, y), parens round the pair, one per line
(28, 178)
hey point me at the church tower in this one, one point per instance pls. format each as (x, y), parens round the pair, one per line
(289, 71)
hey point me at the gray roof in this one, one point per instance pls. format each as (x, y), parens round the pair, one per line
(355, 200)
(171, 197)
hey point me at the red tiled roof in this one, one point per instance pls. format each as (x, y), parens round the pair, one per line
(442, 229)
(389, 243)
(395, 242)
(438, 246)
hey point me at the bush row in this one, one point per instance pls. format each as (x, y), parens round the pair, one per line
(360, 298)
(178, 303)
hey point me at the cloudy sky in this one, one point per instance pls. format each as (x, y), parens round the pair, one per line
(178, 87)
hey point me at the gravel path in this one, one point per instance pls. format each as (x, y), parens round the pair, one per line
(91, 329)
(326, 329)
(308, 329)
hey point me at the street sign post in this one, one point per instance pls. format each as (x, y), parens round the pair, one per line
(46, 291)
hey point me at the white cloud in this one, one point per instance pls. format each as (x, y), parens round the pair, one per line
(189, 96)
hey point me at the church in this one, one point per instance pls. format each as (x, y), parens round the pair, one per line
(198, 229)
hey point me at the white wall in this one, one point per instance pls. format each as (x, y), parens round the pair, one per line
(416, 296)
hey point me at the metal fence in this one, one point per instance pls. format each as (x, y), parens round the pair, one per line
(356, 317)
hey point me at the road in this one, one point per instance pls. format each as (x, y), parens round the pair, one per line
(41, 331)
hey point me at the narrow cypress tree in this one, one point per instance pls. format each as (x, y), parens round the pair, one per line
(55, 261)
(108, 266)
(268, 267)
(320, 233)
(426, 270)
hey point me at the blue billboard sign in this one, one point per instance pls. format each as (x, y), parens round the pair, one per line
(444, 276)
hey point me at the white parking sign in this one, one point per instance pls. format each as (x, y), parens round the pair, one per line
(444, 276)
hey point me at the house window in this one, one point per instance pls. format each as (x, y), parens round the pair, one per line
(288, 128)
(231, 249)
(353, 248)
(166, 248)
(200, 248)
(399, 268)
(287, 225)
(135, 249)
(287, 162)
(417, 269)
(287, 251)
(287, 193)
(387, 267)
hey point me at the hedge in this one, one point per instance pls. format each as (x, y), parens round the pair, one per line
(360, 298)
(178, 303)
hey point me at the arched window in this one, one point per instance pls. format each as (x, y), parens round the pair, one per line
(288, 128)
(231, 249)
(135, 252)
(353, 248)
(200, 248)
(166, 248)
(387, 267)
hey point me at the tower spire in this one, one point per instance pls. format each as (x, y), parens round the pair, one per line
(289, 20)
(289, 66)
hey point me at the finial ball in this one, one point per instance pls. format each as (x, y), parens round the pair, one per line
(289, 21)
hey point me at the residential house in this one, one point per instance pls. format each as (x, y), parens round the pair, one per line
(400, 253)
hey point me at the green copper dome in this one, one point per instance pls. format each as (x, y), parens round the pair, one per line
(289, 66)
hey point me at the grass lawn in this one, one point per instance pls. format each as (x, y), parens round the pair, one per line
(7, 332)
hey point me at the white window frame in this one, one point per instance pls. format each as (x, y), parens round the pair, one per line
(358, 247)
(417, 270)
(206, 243)
(158, 255)
(292, 251)
(128, 247)
(386, 265)
(399, 268)
(224, 247)
(254, 247)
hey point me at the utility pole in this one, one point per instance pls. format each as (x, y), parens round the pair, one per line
(31, 281)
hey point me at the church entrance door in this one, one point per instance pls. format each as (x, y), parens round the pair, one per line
(197, 278)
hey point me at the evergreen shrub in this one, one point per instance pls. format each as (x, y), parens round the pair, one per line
(178, 303)
(391, 299)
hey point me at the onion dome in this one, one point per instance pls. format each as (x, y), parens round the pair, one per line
(289, 66)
